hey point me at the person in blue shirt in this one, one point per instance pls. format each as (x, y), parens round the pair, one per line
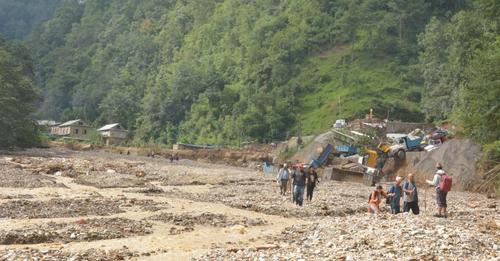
(395, 196)
(410, 195)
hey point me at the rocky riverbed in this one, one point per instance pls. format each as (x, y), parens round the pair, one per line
(66, 205)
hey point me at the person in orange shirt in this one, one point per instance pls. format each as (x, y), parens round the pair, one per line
(375, 199)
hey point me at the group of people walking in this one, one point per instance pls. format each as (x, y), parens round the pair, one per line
(306, 178)
(408, 191)
(303, 179)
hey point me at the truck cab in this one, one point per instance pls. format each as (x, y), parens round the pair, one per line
(340, 123)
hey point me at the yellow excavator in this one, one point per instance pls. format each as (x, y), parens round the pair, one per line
(376, 161)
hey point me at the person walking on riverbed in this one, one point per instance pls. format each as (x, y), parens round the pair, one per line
(282, 178)
(410, 196)
(299, 182)
(442, 183)
(312, 179)
(394, 196)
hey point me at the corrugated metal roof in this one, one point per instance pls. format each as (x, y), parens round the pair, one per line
(109, 127)
(47, 122)
(71, 123)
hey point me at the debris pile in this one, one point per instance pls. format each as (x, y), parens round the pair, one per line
(188, 221)
(222, 177)
(74, 207)
(80, 230)
(51, 254)
(14, 177)
(72, 167)
(59, 208)
(384, 237)
(110, 180)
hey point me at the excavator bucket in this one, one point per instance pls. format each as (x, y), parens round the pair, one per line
(372, 158)
(384, 147)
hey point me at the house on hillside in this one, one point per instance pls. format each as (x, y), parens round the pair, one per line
(113, 134)
(76, 129)
(47, 126)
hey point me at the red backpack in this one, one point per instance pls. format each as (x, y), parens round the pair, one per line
(445, 183)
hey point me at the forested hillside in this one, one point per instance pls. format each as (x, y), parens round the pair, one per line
(19, 17)
(17, 96)
(225, 71)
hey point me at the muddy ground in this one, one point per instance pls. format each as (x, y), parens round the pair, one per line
(57, 204)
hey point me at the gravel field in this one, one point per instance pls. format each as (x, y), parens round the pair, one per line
(57, 204)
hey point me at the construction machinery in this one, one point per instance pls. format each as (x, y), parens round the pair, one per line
(398, 151)
(316, 163)
(370, 167)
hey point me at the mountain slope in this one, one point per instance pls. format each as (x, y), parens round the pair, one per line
(226, 71)
(18, 18)
(341, 86)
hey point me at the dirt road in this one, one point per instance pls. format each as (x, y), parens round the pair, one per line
(57, 204)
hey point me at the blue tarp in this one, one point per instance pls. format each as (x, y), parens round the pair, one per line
(268, 168)
(347, 149)
(323, 157)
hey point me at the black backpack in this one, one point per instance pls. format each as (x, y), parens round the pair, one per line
(388, 200)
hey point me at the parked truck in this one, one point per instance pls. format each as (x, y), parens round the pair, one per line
(398, 151)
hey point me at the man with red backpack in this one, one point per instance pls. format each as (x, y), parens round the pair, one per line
(443, 183)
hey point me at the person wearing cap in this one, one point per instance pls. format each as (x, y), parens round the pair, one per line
(440, 196)
(394, 195)
(299, 183)
(312, 179)
(410, 198)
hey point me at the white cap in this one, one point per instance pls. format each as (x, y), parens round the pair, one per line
(440, 172)
(398, 178)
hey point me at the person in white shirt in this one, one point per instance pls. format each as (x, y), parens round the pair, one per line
(440, 197)
(282, 178)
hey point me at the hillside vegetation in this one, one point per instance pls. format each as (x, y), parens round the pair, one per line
(228, 71)
(17, 96)
(18, 18)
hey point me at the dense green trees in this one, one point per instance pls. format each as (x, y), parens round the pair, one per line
(460, 65)
(19, 17)
(226, 71)
(17, 96)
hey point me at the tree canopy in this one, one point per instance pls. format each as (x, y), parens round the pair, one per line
(18, 18)
(226, 71)
(17, 96)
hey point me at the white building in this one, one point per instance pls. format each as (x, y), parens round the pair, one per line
(113, 134)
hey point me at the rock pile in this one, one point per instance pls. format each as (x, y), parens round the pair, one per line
(59, 208)
(80, 230)
(221, 177)
(384, 237)
(73, 167)
(17, 178)
(109, 180)
(50, 254)
(188, 221)
(76, 207)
